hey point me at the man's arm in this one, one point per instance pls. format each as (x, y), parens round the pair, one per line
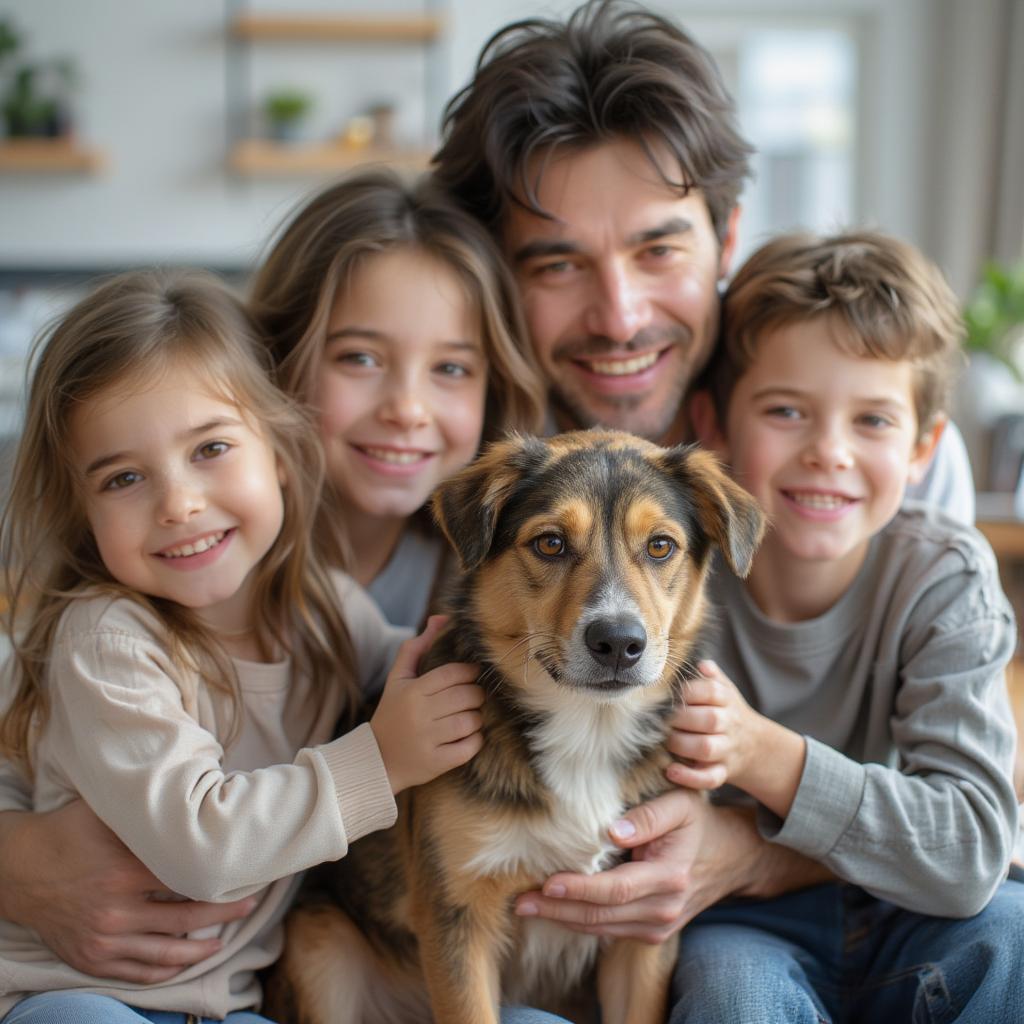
(69, 878)
(687, 855)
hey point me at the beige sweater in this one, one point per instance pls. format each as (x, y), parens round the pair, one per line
(139, 741)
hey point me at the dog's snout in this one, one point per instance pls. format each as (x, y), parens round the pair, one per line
(616, 642)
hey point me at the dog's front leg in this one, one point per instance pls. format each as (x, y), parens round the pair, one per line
(460, 953)
(633, 981)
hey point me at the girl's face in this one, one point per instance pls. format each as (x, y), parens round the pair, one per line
(182, 492)
(401, 386)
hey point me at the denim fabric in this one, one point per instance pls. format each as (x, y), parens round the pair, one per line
(87, 1008)
(834, 953)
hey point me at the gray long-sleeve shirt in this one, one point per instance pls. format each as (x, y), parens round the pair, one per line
(899, 689)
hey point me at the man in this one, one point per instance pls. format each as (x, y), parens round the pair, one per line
(603, 152)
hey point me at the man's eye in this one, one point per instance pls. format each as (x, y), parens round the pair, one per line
(549, 546)
(875, 421)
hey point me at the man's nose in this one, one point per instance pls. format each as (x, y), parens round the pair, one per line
(619, 307)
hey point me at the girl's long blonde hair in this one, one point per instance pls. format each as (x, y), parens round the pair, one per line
(372, 212)
(127, 333)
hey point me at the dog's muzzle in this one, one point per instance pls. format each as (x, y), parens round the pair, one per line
(616, 642)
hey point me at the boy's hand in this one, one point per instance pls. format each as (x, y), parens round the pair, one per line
(426, 725)
(715, 732)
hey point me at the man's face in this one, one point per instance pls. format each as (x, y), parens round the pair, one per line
(619, 290)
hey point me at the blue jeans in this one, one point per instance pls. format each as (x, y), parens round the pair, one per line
(832, 953)
(85, 1008)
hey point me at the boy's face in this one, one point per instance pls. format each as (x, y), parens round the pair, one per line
(825, 441)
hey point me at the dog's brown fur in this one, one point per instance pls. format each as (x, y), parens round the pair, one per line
(569, 546)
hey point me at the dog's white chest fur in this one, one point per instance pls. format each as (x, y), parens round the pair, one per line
(582, 746)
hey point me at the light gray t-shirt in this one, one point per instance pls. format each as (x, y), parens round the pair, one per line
(403, 588)
(899, 689)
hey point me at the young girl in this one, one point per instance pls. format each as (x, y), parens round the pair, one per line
(390, 313)
(181, 659)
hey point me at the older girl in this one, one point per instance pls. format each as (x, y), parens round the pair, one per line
(390, 313)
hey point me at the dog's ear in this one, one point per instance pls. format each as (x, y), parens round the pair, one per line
(467, 506)
(728, 514)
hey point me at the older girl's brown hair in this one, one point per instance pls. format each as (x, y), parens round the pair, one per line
(125, 334)
(878, 297)
(374, 212)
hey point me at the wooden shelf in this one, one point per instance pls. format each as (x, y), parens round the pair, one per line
(52, 156)
(256, 157)
(384, 28)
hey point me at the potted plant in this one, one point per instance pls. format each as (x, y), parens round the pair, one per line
(284, 111)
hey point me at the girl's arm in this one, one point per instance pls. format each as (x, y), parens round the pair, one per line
(120, 735)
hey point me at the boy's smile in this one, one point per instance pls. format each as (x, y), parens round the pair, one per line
(827, 442)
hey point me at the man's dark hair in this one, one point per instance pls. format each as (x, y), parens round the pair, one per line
(613, 70)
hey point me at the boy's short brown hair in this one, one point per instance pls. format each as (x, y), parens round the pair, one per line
(883, 300)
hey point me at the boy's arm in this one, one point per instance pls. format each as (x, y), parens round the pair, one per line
(935, 832)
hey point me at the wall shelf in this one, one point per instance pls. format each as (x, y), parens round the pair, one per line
(413, 28)
(48, 156)
(260, 157)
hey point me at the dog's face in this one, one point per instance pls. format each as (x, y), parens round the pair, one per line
(587, 554)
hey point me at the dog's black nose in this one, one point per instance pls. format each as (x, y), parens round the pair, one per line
(617, 643)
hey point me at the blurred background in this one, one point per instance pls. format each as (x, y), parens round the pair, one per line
(182, 133)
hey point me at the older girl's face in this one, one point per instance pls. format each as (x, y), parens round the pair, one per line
(401, 386)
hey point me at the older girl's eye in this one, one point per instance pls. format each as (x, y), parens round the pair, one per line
(550, 545)
(357, 359)
(119, 481)
(660, 548)
(453, 370)
(212, 449)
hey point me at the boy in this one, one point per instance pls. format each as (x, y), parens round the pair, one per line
(857, 692)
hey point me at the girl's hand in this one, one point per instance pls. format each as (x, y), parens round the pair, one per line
(426, 725)
(716, 733)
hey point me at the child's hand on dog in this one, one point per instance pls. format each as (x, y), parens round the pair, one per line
(721, 738)
(426, 725)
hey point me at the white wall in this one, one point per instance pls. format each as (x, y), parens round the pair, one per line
(153, 98)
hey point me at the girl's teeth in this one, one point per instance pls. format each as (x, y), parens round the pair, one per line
(620, 367)
(201, 545)
(396, 458)
(828, 501)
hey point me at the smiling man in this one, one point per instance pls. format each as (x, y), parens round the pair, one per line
(603, 152)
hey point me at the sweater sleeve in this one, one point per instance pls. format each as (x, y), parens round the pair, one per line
(120, 735)
(935, 833)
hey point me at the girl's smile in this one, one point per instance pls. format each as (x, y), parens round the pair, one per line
(401, 386)
(181, 490)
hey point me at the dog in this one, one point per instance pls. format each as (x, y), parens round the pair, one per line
(584, 557)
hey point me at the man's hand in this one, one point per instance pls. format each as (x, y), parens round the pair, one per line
(69, 878)
(687, 855)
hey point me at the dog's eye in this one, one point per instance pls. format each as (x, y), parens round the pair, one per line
(660, 548)
(550, 545)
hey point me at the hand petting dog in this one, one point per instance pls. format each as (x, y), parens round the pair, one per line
(425, 725)
(721, 738)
